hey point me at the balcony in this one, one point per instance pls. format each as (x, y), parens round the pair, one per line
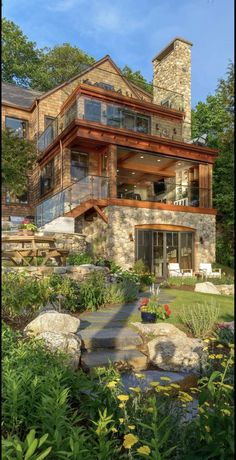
(122, 113)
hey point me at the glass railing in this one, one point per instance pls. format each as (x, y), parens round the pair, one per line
(89, 187)
(168, 193)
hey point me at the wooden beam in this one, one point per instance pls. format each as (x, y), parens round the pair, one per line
(126, 157)
(147, 169)
(101, 213)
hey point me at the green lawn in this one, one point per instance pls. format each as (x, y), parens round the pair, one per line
(182, 298)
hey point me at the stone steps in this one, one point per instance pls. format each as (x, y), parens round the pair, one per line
(133, 358)
(119, 338)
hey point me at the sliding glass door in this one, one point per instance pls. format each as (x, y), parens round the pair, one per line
(159, 248)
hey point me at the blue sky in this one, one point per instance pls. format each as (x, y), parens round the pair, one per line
(132, 32)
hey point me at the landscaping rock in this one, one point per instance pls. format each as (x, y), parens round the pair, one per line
(226, 289)
(207, 288)
(176, 353)
(86, 269)
(52, 322)
(159, 329)
(68, 343)
(59, 270)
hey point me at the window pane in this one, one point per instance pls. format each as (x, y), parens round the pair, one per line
(46, 183)
(113, 116)
(19, 127)
(79, 165)
(186, 241)
(129, 120)
(92, 110)
(48, 121)
(142, 125)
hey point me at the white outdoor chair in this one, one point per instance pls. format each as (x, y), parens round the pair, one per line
(206, 270)
(174, 270)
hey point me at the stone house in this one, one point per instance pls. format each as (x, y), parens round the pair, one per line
(117, 163)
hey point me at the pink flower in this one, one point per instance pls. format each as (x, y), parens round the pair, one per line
(144, 301)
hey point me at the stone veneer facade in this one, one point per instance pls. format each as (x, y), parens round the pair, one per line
(116, 240)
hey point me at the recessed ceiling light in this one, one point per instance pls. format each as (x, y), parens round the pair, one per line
(117, 170)
(133, 172)
(126, 190)
(141, 156)
(158, 160)
(135, 186)
(179, 163)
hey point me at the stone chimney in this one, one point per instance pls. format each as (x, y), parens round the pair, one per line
(172, 73)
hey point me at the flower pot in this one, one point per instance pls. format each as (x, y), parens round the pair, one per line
(148, 317)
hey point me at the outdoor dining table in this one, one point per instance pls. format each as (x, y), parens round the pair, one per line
(28, 248)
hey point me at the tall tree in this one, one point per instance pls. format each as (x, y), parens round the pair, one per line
(136, 78)
(18, 155)
(20, 57)
(58, 65)
(216, 118)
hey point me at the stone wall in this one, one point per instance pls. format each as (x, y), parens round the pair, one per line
(74, 243)
(116, 240)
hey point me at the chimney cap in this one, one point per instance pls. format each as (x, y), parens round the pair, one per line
(168, 48)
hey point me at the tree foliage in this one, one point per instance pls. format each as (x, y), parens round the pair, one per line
(216, 118)
(20, 57)
(136, 78)
(18, 155)
(58, 65)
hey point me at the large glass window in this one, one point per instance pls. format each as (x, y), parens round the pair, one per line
(47, 178)
(17, 126)
(114, 116)
(92, 110)
(79, 165)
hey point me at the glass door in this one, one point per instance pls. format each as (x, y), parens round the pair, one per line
(158, 254)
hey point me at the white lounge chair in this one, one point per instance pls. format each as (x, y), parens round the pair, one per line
(206, 270)
(175, 270)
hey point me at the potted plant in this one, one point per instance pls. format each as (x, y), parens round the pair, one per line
(27, 227)
(151, 310)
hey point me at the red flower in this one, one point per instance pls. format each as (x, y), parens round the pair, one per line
(167, 310)
(144, 301)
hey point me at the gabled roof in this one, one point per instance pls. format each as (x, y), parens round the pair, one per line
(84, 72)
(21, 97)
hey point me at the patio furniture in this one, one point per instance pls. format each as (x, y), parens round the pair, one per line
(26, 249)
(175, 270)
(207, 271)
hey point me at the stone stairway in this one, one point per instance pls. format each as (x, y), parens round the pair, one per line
(121, 345)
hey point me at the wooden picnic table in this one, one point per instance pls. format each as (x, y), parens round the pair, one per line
(31, 248)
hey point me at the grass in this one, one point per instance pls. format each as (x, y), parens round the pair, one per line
(225, 302)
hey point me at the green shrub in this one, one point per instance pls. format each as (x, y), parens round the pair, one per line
(140, 267)
(79, 259)
(93, 291)
(200, 319)
(123, 292)
(23, 294)
(224, 335)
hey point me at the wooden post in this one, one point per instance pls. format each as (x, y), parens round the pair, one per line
(204, 186)
(112, 170)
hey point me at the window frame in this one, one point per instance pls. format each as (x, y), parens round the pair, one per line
(43, 191)
(24, 135)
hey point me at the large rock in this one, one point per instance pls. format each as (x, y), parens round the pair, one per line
(52, 321)
(120, 338)
(207, 288)
(226, 289)
(68, 343)
(176, 353)
(159, 329)
(86, 269)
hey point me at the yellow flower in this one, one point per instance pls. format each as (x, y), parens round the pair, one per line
(219, 346)
(135, 389)
(131, 427)
(112, 384)
(121, 420)
(166, 394)
(207, 428)
(225, 412)
(150, 409)
(212, 356)
(205, 349)
(175, 385)
(213, 339)
(154, 384)
(129, 440)
(114, 430)
(220, 356)
(140, 376)
(123, 397)
(121, 405)
(167, 379)
(144, 450)
(206, 340)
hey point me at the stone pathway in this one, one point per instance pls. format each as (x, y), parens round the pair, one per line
(106, 337)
